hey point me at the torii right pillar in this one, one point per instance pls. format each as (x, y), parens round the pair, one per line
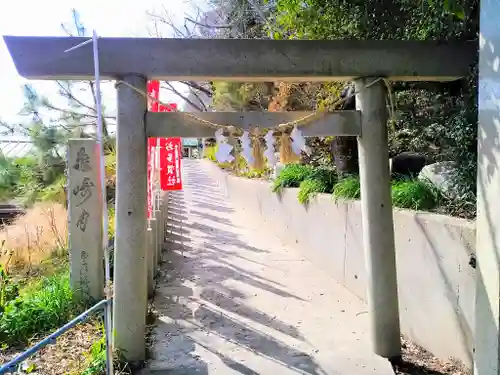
(487, 318)
(378, 227)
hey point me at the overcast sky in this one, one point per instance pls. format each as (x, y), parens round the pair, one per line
(34, 17)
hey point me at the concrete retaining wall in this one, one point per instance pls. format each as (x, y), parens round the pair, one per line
(436, 282)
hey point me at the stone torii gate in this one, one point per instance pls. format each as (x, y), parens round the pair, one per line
(132, 61)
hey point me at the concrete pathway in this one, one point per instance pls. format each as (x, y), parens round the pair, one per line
(231, 300)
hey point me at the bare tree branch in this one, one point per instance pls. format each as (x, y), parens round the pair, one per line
(73, 113)
(233, 19)
(228, 26)
(197, 95)
(199, 87)
(167, 20)
(69, 95)
(171, 88)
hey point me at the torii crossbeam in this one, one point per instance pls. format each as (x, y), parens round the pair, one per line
(242, 60)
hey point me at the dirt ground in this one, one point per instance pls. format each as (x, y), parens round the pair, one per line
(418, 361)
(67, 357)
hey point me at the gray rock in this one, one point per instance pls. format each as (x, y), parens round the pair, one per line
(440, 175)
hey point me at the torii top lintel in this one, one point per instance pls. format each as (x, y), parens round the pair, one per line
(241, 59)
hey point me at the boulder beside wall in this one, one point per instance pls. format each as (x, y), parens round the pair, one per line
(440, 175)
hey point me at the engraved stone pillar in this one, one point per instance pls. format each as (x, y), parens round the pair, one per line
(85, 219)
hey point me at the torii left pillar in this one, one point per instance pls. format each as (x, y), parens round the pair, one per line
(130, 267)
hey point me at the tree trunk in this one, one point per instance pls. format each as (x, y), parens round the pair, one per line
(345, 154)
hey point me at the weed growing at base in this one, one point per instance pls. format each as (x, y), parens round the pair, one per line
(320, 180)
(37, 310)
(347, 188)
(415, 195)
(96, 359)
(291, 176)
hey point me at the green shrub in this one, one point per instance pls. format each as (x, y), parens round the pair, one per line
(9, 289)
(410, 194)
(291, 176)
(347, 188)
(321, 180)
(37, 311)
(55, 192)
(209, 153)
(309, 189)
(327, 176)
(415, 195)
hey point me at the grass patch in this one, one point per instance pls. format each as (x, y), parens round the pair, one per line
(96, 357)
(321, 180)
(291, 176)
(34, 238)
(347, 188)
(415, 195)
(37, 310)
(309, 189)
(32, 303)
(55, 192)
(409, 194)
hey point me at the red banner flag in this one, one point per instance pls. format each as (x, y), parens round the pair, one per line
(153, 91)
(151, 156)
(171, 178)
(170, 157)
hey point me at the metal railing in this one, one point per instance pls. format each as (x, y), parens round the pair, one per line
(12, 365)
